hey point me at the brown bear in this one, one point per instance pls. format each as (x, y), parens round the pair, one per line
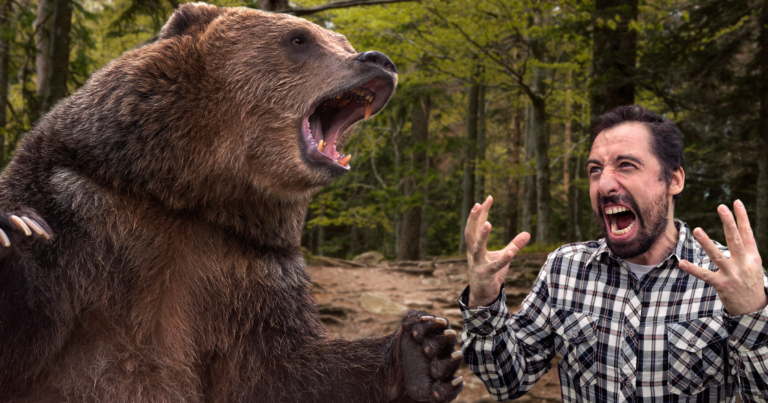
(150, 227)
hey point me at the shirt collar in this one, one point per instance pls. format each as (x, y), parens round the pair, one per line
(685, 248)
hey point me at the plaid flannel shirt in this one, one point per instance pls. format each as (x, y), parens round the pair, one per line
(660, 339)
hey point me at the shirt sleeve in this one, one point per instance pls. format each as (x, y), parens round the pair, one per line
(509, 354)
(749, 352)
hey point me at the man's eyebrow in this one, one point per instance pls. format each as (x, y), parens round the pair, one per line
(629, 158)
(593, 161)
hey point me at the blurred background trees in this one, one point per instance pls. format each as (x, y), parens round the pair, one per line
(496, 97)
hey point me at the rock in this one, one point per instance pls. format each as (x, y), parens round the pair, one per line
(458, 278)
(369, 258)
(331, 320)
(331, 262)
(412, 267)
(375, 303)
(431, 282)
(330, 310)
(515, 298)
(452, 313)
(419, 304)
(447, 301)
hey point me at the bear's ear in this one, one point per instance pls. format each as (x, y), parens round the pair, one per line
(189, 19)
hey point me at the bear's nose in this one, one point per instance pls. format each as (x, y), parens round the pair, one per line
(379, 59)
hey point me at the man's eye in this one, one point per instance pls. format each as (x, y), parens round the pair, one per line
(593, 170)
(626, 165)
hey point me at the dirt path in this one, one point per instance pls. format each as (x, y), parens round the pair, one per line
(338, 292)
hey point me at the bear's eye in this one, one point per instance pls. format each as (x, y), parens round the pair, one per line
(299, 40)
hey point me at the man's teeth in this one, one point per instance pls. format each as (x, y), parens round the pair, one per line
(616, 210)
(615, 228)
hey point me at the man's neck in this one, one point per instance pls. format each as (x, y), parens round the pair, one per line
(661, 248)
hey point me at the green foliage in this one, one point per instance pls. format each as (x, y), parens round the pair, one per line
(696, 64)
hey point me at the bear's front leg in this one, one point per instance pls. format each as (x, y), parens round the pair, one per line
(20, 227)
(429, 358)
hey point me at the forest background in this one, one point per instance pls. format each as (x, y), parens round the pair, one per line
(496, 97)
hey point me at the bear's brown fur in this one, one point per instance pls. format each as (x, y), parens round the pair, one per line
(153, 222)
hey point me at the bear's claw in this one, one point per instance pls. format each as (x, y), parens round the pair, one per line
(430, 359)
(19, 227)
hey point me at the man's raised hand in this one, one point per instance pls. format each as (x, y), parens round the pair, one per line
(487, 270)
(739, 282)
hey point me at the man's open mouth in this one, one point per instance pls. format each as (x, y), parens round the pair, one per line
(327, 120)
(620, 220)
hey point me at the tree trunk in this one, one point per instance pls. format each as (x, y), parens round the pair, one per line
(42, 59)
(613, 58)
(529, 189)
(468, 185)
(273, 5)
(541, 137)
(567, 139)
(568, 164)
(575, 195)
(5, 11)
(761, 224)
(396, 122)
(410, 230)
(481, 143)
(58, 67)
(513, 183)
(424, 233)
(321, 237)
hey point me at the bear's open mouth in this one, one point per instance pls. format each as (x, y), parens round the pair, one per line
(322, 128)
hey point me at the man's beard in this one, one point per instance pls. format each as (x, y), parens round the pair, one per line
(649, 232)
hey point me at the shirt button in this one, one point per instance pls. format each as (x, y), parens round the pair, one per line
(487, 329)
(630, 333)
(488, 357)
(637, 286)
(485, 315)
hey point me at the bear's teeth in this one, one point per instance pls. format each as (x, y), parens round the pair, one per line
(321, 146)
(367, 110)
(344, 161)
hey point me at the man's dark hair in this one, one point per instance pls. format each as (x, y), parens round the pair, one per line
(666, 139)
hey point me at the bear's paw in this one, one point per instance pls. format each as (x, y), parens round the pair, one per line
(21, 227)
(430, 359)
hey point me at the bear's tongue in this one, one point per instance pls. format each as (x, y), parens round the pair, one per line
(326, 147)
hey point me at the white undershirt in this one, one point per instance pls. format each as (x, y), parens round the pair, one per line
(640, 270)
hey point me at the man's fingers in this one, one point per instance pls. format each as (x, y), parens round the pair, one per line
(732, 236)
(481, 244)
(518, 242)
(501, 262)
(702, 274)
(470, 230)
(486, 207)
(521, 240)
(712, 251)
(745, 229)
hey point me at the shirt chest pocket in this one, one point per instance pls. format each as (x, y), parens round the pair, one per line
(577, 343)
(696, 355)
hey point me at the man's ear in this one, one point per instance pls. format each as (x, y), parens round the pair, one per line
(190, 19)
(677, 183)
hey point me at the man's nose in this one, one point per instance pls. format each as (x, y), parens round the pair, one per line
(379, 59)
(607, 184)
